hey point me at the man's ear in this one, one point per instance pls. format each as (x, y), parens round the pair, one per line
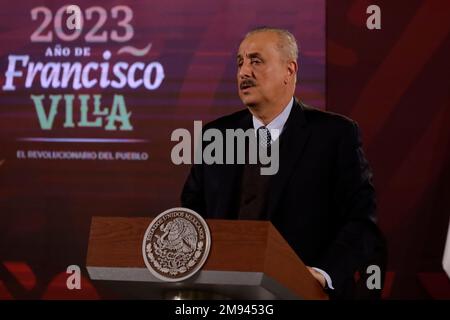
(292, 68)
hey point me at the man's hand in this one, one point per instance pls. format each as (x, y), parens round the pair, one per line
(318, 276)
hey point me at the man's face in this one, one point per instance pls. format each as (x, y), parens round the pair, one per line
(262, 70)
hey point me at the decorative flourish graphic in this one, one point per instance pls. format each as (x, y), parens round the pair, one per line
(135, 51)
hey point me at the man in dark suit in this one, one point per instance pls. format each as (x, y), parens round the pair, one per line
(321, 199)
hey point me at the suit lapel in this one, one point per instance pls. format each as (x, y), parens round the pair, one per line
(292, 142)
(230, 177)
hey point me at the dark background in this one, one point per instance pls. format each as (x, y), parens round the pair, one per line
(395, 83)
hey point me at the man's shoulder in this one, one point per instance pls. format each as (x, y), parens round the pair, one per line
(320, 119)
(229, 121)
(327, 120)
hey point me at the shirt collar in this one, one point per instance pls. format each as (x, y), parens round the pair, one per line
(276, 125)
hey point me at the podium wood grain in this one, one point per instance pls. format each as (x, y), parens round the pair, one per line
(246, 246)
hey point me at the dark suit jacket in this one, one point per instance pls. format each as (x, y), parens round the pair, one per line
(322, 199)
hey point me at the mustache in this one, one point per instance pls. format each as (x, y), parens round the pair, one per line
(247, 83)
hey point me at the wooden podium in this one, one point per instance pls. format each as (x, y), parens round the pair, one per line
(247, 260)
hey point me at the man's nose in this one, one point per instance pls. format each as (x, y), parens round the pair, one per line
(245, 70)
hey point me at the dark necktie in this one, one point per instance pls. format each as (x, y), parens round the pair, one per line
(254, 185)
(264, 137)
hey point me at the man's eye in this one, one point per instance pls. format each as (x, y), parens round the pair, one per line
(256, 62)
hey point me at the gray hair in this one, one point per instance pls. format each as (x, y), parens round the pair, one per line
(286, 43)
